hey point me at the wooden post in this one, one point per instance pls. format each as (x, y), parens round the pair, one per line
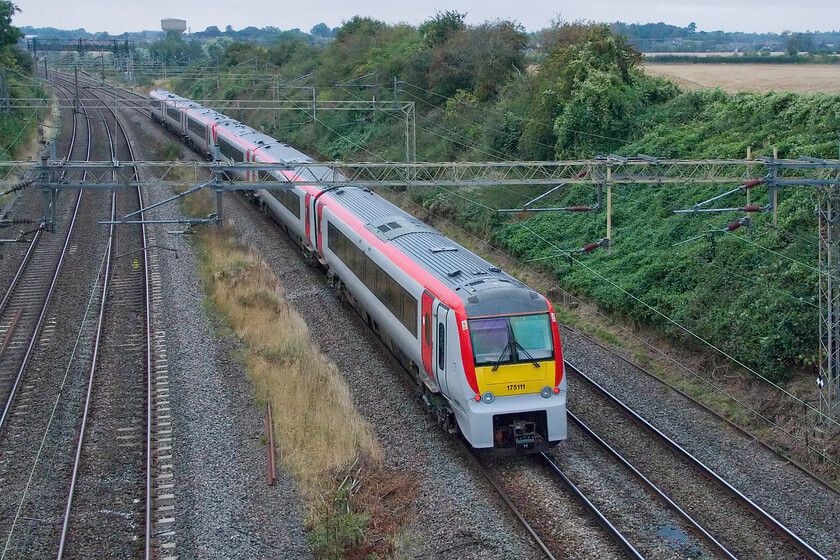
(609, 208)
(749, 158)
(775, 194)
(269, 428)
(4, 92)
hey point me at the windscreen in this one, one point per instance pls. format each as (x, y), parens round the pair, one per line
(533, 333)
(505, 340)
(490, 339)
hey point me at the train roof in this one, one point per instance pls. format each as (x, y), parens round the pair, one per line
(484, 288)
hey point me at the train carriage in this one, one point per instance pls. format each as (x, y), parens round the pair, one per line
(483, 346)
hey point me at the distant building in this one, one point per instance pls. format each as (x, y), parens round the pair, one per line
(174, 26)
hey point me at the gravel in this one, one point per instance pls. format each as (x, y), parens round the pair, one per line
(452, 496)
(224, 507)
(808, 508)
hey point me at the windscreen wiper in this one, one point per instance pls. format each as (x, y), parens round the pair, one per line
(502, 357)
(530, 357)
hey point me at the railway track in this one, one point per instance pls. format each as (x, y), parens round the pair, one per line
(538, 541)
(709, 518)
(113, 442)
(137, 291)
(131, 258)
(716, 512)
(810, 473)
(614, 533)
(113, 414)
(30, 449)
(23, 309)
(795, 549)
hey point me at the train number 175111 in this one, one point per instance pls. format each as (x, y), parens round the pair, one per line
(516, 387)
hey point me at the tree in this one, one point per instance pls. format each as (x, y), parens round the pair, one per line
(478, 59)
(9, 34)
(794, 44)
(212, 32)
(174, 50)
(320, 30)
(585, 86)
(439, 29)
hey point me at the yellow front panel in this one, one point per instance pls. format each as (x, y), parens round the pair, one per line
(515, 379)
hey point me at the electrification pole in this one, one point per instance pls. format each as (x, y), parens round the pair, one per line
(828, 381)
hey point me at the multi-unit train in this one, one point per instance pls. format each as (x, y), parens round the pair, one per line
(483, 347)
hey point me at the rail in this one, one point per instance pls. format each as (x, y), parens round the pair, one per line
(802, 547)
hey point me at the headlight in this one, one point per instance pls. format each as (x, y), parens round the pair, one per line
(488, 397)
(546, 392)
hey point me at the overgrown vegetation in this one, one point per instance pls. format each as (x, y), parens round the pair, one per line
(356, 506)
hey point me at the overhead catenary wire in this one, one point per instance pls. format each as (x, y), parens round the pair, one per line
(22, 130)
(465, 119)
(568, 254)
(450, 139)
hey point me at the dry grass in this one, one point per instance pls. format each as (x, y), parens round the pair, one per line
(322, 440)
(318, 431)
(800, 78)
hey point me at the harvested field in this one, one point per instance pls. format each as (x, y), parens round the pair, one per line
(801, 78)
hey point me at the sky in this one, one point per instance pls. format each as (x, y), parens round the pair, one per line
(118, 16)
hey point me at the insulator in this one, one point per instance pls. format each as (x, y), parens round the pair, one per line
(578, 209)
(22, 185)
(751, 208)
(590, 247)
(734, 225)
(751, 184)
(582, 174)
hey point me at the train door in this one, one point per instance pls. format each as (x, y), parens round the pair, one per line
(427, 333)
(307, 214)
(320, 226)
(441, 350)
(214, 143)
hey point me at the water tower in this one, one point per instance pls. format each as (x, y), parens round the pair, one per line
(174, 26)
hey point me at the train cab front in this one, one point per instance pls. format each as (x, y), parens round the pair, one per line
(521, 403)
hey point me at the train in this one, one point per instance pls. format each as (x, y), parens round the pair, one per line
(483, 347)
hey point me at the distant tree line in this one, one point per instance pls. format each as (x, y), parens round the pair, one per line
(648, 37)
(664, 38)
(264, 35)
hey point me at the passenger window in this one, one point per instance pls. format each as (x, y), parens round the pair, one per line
(441, 346)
